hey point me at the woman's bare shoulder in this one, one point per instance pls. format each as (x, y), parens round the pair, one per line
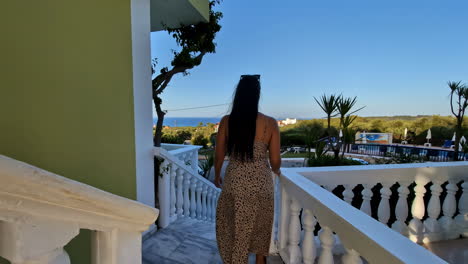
(269, 118)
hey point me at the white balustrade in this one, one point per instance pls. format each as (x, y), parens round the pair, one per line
(204, 190)
(383, 211)
(401, 210)
(462, 218)
(361, 236)
(366, 198)
(188, 154)
(432, 227)
(41, 212)
(188, 194)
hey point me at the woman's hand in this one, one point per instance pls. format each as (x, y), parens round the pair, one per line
(278, 172)
(218, 182)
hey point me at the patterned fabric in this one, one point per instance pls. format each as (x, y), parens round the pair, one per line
(244, 215)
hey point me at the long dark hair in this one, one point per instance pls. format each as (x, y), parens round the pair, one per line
(243, 118)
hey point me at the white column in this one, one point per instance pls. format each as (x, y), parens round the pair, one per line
(415, 226)
(327, 241)
(36, 241)
(209, 208)
(164, 195)
(294, 232)
(199, 201)
(366, 198)
(173, 189)
(180, 187)
(195, 160)
(384, 205)
(432, 226)
(204, 192)
(116, 247)
(187, 177)
(284, 218)
(449, 207)
(462, 218)
(348, 193)
(309, 252)
(193, 200)
(401, 209)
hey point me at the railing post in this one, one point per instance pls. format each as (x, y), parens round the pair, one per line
(309, 251)
(462, 218)
(187, 177)
(164, 189)
(209, 204)
(199, 201)
(327, 241)
(36, 241)
(366, 198)
(193, 200)
(204, 207)
(180, 202)
(383, 211)
(348, 193)
(283, 219)
(449, 207)
(432, 226)
(116, 247)
(415, 226)
(294, 233)
(195, 160)
(173, 189)
(401, 209)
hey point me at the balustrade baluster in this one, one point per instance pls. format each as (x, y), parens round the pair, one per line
(327, 241)
(294, 232)
(199, 201)
(209, 196)
(195, 160)
(309, 251)
(193, 200)
(401, 209)
(432, 226)
(366, 198)
(204, 190)
(383, 211)
(415, 226)
(348, 193)
(462, 218)
(179, 190)
(173, 189)
(351, 257)
(449, 207)
(187, 177)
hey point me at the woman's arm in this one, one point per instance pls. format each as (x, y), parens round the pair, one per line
(220, 151)
(275, 155)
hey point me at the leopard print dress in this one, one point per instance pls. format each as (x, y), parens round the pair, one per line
(244, 214)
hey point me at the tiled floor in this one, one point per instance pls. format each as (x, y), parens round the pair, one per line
(184, 242)
(194, 242)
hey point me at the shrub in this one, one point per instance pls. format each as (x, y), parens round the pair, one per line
(200, 140)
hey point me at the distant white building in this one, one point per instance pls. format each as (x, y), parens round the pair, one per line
(287, 121)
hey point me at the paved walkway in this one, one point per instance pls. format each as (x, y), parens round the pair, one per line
(187, 241)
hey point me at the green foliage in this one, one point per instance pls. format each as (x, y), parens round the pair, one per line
(200, 140)
(206, 164)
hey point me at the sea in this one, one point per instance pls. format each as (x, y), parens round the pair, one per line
(187, 121)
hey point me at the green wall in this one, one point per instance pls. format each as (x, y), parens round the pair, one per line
(66, 90)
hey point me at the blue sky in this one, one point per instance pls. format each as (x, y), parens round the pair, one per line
(395, 56)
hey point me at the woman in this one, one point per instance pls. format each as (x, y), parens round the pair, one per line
(244, 215)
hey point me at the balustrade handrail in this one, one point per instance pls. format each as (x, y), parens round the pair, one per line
(358, 231)
(168, 155)
(179, 148)
(390, 173)
(28, 190)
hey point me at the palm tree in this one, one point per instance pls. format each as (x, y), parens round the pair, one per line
(459, 93)
(344, 108)
(329, 105)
